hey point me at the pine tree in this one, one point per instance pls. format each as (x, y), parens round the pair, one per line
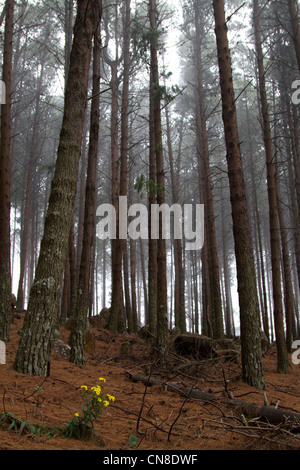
(252, 365)
(5, 273)
(162, 314)
(34, 350)
(114, 323)
(78, 335)
(282, 358)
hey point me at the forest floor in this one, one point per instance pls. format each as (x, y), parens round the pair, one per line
(159, 419)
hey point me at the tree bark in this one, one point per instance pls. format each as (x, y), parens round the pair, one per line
(229, 327)
(260, 261)
(288, 289)
(152, 244)
(115, 317)
(128, 307)
(293, 154)
(162, 315)
(205, 183)
(173, 387)
(5, 196)
(34, 350)
(65, 300)
(252, 366)
(114, 141)
(265, 413)
(68, 27)
(28, 194)
(77, 353)
(133, 283)
(282, 358)
(180, 316)
(293, 10)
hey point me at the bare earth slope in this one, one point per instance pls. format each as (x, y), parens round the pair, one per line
(153, 418)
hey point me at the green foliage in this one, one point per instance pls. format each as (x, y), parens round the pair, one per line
(142, 37)
(248, 422)
(94, 401)
(165, 93)
(25, 426)
(141, 185)
(133, 440)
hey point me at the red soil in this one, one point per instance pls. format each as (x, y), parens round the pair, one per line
(160, 419)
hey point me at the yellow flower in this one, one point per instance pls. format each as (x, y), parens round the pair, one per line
(84, 387)
(76, 414)
(105, 403)
(96, 390)
(110, 397)
(102, 379)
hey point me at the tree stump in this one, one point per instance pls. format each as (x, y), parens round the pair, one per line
(197, 346)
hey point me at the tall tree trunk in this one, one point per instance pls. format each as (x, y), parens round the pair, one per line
(114, 141)
(162, 315)
(104, 275)
(93, 286)
(286, 270)
(68, 27)
(77, 355)
(28, 194)
(180, 319)
(206, 326)
(65, 300)
(205, 181)
(252, 366)
(195, 286)
(260, 260)
(34, 350)
(226, 271)
(5, 273)
(73, 269)
(144, 281)
(296, 154)
(133, 283)
(282, 358)
(293, 10)
(115, 317)
(81, 197)
(293, 156)
(128, 308)
(288, 289)
(152, 243)
(69, 290)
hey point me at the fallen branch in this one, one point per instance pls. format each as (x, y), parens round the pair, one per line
(143, 401)
(185, 391)
(178, 415)
(265, 413)
(148, 421)
(264, 433)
